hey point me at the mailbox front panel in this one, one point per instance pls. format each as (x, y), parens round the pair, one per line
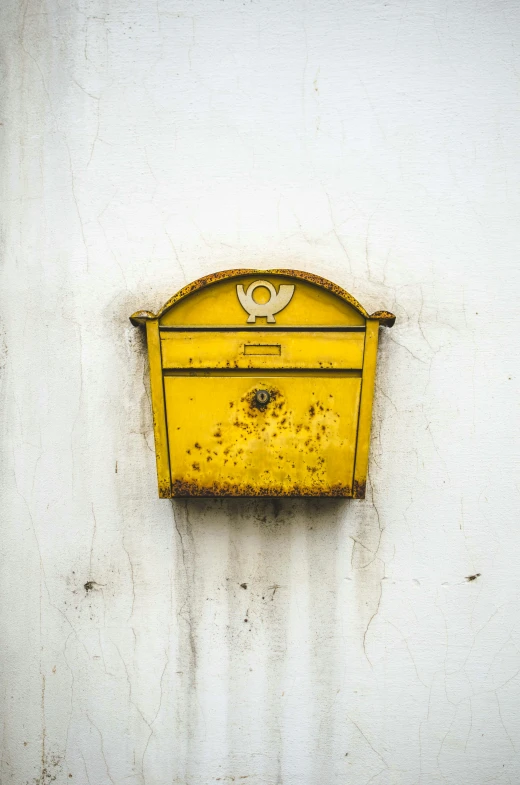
(301, 443)
(262, 385)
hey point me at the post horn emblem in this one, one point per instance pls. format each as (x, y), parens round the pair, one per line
(276, 303)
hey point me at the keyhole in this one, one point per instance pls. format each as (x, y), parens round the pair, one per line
(262, 397)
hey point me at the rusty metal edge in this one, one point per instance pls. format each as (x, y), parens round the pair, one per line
(141, 317)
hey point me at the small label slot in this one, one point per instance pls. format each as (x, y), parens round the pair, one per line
(262, 348)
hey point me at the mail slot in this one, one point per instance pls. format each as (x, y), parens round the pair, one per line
(262, 385)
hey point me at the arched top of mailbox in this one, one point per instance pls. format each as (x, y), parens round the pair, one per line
(318, 298)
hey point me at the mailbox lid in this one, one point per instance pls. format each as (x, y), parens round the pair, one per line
(274, 348)
(217, 302)
(301, 444)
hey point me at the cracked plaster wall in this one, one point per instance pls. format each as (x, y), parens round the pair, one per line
(265, 642)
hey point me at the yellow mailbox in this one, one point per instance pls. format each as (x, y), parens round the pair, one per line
(262, 384)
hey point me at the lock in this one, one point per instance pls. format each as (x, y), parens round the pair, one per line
(262, 397)
(262, 385)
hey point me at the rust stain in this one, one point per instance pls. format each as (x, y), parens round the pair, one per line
(193, 488)
(359, 490)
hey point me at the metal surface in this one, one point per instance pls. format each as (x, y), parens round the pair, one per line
(240, 412)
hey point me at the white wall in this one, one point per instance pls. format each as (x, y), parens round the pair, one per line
(146, 144)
